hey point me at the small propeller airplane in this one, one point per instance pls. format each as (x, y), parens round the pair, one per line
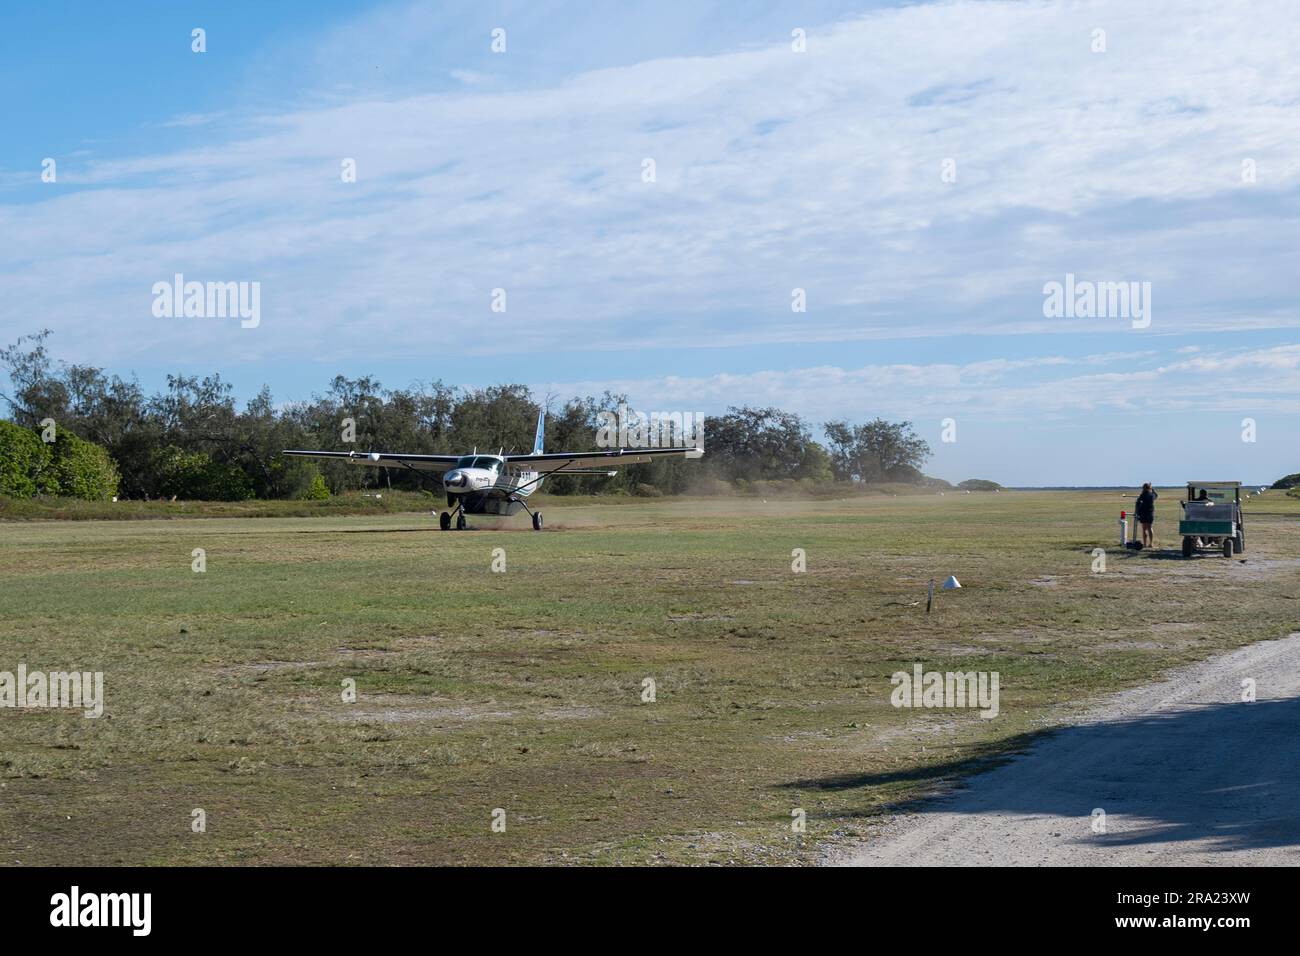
(500, 484)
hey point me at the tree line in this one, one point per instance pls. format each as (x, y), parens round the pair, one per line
(192, 440)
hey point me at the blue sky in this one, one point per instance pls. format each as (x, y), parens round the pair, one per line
(920, 170)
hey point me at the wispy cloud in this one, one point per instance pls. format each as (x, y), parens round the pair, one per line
(1255, 381)
(774, 169)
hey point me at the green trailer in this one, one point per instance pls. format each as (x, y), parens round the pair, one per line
(1212, 518)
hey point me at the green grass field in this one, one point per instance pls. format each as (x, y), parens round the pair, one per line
(522, 690)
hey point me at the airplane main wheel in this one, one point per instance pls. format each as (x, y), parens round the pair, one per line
(537, 521)
(444, 521)
(460, 522)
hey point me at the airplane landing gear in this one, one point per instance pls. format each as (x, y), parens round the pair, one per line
(535, 515)
(444, 519)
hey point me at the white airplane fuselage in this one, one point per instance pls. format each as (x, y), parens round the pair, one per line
(485, 484)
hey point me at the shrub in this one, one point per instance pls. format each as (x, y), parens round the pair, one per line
(25, 463)
(318, 490)
(83, 469)
(291, 478)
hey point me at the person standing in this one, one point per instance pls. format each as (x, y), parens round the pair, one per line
(1146, 514)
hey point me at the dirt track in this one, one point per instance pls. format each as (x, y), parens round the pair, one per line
(1185, 772)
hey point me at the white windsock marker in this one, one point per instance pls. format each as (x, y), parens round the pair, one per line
(951, 584)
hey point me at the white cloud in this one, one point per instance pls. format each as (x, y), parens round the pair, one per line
(1256, 381)
(775, 170)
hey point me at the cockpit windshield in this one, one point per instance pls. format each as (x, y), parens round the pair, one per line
(478, 461)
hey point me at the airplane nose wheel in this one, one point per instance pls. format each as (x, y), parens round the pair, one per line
(537, 521)
(460, 522)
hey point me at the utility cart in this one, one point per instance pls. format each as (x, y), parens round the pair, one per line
(1211, 518)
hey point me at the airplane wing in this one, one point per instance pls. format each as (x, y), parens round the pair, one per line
(384, 460)
(571, 461)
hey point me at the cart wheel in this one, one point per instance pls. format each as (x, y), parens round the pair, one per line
(1227, 547)
(1240, 544)
(1187, 547)
(444, 521)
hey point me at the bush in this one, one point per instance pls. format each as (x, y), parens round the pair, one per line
(83, 469)
(978, 484)
(1290, 481)
(26, 466)
(644, 490)
(292, 478)
(318, 490)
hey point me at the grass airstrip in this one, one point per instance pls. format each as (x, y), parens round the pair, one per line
(647, 682)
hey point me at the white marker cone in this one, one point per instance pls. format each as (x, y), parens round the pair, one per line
(951, 584)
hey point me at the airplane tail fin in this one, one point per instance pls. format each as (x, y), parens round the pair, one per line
(541, 432)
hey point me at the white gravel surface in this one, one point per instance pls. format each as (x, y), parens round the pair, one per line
(1185, 772)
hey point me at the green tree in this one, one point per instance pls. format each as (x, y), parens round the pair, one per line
(195, 476)
(25, 463)
(37, 392)
(500, 416)
(876, 451)
(762, 444)
(574, 427)
(979, 484)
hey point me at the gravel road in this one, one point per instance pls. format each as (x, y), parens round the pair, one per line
(1185, 772)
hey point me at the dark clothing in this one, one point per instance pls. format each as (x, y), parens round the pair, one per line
(1146, 507)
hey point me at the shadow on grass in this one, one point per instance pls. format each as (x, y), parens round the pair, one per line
(1176, 554)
